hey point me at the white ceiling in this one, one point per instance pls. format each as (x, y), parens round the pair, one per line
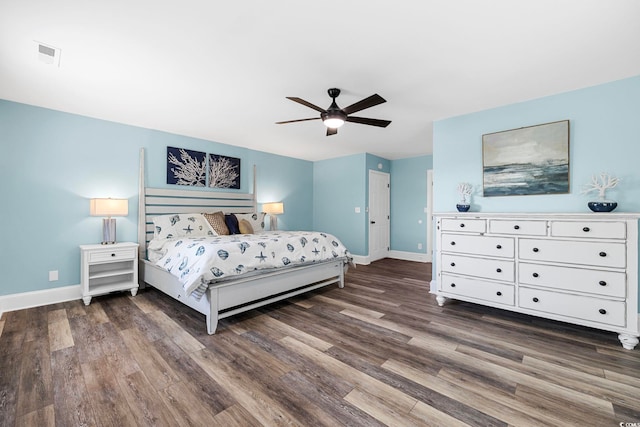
(221, 70)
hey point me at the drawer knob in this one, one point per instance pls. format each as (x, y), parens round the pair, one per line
(602, 311)
(498, 246)
(535, 274)
(453, 264)
(603, 254)
(535, 249)
(113, 254)
(516, 227)
(602, 283)
(453, 243)
(453, 285)
(535, 299)
(499, 270)
(499, 293)
(586, 229)
(462, 225)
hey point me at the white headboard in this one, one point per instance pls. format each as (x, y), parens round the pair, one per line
(161, 201)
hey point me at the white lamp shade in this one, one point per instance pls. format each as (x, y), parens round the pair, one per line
(109, 207)
(274, 208)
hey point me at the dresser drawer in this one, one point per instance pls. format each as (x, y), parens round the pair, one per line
(518, 227)
(112, 255)
(603, 254)
(478, 289)
(590, 229)
(497, 269)
(478, 245)
(462, 224)
(575, 306)
(608, 283)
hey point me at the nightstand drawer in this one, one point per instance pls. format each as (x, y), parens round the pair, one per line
(112, 255)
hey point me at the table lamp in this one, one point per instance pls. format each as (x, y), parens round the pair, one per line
(108, 208)
(273, 209)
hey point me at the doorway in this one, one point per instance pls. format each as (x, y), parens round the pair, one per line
(379, 215)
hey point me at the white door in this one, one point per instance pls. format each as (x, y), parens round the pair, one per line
(379, 214)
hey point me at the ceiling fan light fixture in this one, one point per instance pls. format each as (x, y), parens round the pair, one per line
(333, 122)
(333, 118)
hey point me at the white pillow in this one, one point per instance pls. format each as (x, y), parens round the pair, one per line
(255, 219)
(181, 225)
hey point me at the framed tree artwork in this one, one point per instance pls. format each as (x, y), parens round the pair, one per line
(224, 172)
(186, 167)
(526, 161)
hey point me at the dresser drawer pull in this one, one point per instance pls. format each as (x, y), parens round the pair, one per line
(453, 285)
(586, 229)
(498, 246)
(453, 264)
(535, 299)
(498, 270)
(453, 243)
(113, 254)
(499, 293)
(603, 254)
(602, 311)
(535, 274)
(535, 249)
(602, 283)
(462, 225)
(516, 227)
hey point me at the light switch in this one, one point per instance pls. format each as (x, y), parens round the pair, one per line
(357, 209)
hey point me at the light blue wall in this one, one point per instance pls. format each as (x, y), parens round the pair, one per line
(604, 136)
(339, 186)
(52, 163)
(408, 203)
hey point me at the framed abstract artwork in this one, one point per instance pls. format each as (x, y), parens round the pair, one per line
(526, 161)
(186, 167)
(224, 172)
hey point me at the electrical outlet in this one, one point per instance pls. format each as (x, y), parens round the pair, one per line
(357, 209)
(419, 245)
(53, 275)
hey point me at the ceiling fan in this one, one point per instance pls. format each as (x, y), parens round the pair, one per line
(334, 116)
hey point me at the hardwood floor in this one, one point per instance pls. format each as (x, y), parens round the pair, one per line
(378, 352)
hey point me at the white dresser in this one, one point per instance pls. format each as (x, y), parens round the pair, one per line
(577, 268)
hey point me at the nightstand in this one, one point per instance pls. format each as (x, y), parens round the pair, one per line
(108, 268)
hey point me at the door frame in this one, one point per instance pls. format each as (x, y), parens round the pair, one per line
(388, 222)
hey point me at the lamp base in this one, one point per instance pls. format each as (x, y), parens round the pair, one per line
(108, 231)
(273, 223)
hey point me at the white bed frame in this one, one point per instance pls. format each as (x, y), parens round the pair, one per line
(231, 296)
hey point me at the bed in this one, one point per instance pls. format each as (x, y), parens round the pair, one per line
(228, 295)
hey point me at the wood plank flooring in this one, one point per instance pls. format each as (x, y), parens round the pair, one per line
(378, 352)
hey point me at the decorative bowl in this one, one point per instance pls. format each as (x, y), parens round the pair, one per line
(462, 208)
(602, 206)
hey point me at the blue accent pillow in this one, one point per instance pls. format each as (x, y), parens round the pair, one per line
(232, 223)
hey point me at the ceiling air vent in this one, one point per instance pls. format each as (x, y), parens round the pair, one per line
(48, 54)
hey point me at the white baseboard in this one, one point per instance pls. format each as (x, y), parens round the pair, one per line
(38, 298)
(362, 260)
(409, 256)
(433, 287)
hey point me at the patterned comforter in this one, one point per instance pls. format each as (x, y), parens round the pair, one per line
(196, 262)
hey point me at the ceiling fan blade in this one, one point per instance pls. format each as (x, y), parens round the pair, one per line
(306, 103)
(365, 103)
(371, 122)
(332, 131)
(298, 120)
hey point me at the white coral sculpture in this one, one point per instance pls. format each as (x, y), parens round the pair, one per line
(601, 183)
(464, 189)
